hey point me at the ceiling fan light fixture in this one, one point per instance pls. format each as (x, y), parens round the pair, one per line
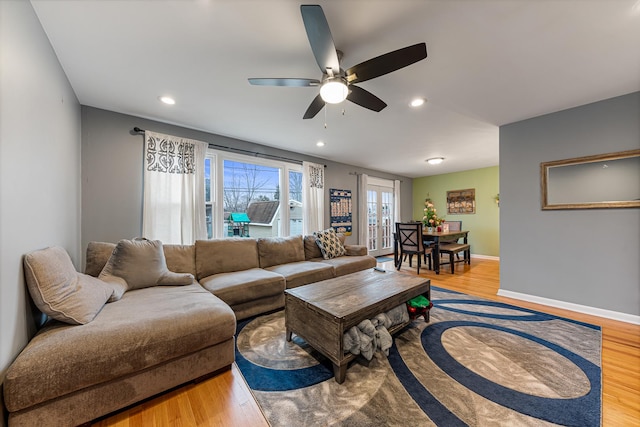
(435, 160)
(334, 90)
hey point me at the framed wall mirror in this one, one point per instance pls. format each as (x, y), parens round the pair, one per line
(602, 181)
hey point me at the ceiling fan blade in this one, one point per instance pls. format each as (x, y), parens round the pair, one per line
(285, 82)
(387, 63)
(365, 99)
(320, 39)
(316, 105)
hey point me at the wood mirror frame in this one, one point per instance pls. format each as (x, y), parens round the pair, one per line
(618, 190)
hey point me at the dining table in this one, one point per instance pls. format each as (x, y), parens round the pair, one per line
(435, 237)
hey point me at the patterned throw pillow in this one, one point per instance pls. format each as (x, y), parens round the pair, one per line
(329, 243)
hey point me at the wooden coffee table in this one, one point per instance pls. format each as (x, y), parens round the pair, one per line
(320, 313)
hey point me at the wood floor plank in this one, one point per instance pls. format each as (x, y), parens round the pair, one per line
(225, 400)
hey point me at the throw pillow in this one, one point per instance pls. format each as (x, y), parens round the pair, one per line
(311, 249)
(329, 243)
(139, 263)
(98, 254)
(59, 291)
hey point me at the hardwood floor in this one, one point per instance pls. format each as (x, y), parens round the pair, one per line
(225, 400)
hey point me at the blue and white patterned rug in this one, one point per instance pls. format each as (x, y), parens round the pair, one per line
(476, 363)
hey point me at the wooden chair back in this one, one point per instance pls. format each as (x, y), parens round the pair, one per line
(410, 237)
(409, 243)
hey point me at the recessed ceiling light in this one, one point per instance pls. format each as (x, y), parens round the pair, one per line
(435, 160)
(417, 102)
(167, 100)
(320, 144)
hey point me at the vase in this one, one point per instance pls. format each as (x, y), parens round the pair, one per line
(430, 229)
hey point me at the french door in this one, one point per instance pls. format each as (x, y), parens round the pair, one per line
(380, 219)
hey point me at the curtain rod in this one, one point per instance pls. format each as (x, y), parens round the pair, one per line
(241, 150)
(360, 174)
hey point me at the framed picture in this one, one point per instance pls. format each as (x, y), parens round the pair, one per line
(341, 212)
(461, 202)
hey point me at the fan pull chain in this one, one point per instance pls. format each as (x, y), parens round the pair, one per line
(325, 115)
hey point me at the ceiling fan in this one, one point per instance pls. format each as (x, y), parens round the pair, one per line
(336, 84)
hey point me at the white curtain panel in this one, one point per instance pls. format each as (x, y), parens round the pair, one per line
(174, 207)
(396, 201)
(363, 211)
(312, 197)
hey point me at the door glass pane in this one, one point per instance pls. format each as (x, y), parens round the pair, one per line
(386, 220)
(372, 208)
(381, 222)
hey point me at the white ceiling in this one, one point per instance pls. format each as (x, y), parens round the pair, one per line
(489, 63)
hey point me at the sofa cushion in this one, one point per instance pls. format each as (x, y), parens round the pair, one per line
(329, 243)
(140, 263)
(280, 250)
(98, 253)
(225, 255)
(353, 250)
(303, 272)
(244, 286)
(180, 258)
(253, 308)
(59, 291)
(311, 248)
(349, 264)
(145, 328)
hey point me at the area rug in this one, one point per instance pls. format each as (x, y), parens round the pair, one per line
(476, 363)
(383, 259)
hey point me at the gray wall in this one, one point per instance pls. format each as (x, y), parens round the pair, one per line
(589, 257)
(39, 165)
(112, 173)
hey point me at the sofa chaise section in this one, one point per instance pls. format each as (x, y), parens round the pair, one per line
(151, 340)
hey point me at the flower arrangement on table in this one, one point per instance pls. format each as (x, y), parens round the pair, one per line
(430, 218)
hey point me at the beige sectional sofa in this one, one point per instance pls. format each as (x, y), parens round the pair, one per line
(158, 337)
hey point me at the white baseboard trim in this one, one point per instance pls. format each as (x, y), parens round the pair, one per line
(495, 258)
(594, 311)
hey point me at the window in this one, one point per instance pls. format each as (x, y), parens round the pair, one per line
(295, 202)
(209, 162)
(251, 197)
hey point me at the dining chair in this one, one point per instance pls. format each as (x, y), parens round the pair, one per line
(409, 239)
(452, 226)
(455, 225)
(454, 247)
(396, 250)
